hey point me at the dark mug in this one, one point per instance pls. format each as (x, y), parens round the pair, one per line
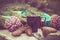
(34, 22)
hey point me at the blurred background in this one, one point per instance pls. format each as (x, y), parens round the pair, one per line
(23, 8)
(50, 6)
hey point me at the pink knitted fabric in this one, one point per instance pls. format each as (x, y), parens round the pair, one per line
(55, 22)
(12, 23)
